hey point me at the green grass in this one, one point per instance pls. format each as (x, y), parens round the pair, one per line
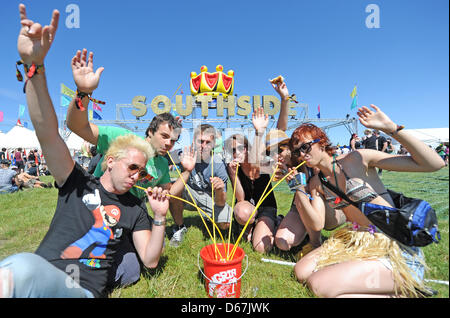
(25, 217)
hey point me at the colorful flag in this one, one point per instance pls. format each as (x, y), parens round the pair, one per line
(67, 91)
(1, 116)
(318, 109)
(354, 103)
(21, 110)
(91, 115)
(181, 91)
(65, 101)
(353, 93)
(96, 115)
(96, 107)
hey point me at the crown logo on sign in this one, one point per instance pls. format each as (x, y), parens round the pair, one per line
(214, 84)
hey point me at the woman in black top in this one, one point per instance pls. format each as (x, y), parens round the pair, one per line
(250, 185)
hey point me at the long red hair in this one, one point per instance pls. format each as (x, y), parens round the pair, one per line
(313, 132)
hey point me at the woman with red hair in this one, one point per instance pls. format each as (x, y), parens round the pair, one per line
(358, 260)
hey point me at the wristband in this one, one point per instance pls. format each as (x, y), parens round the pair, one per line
(399, 127)
(30, 70)
(81, 95)
(159, 223)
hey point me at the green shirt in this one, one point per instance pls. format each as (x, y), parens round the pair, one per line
(157, 167)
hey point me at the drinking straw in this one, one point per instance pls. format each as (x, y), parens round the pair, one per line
(259, 203)
(212, 199)
(232, 211)
(198, 209)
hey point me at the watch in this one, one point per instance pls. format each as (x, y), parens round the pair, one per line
(159, 223)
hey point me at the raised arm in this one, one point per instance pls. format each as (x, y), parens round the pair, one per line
(257, 150)
(86, 81)
(281, 89)
(33, 45)
(422, 159)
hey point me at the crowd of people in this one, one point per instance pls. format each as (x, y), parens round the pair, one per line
(102, 226)
(20, 171)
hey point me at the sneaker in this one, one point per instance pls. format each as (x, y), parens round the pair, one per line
(177, 237)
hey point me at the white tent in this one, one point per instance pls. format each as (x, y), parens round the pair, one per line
(21, 137)
(431, 136)
(2, 140)
(74, 142)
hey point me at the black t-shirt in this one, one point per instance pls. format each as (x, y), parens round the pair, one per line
(370, 143)
(254, 189)
(381, 141)
(88, 225)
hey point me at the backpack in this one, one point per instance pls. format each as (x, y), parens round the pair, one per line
(412, 222)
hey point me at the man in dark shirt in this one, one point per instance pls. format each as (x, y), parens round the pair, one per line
(93, 216)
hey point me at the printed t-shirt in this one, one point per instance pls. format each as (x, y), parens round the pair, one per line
(88, 226)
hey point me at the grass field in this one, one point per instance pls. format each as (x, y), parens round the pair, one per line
(25, 217)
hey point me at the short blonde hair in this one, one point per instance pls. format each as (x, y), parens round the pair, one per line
(119, 148)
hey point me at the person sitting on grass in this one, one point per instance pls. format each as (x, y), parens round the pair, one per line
(93, 216)
(250, 184)
(8, 178)
(347, 264)
(296, 229)
(200, 183)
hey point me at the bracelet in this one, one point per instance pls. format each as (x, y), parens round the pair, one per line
(159, 223)
(30, 70)
(81, 95)
(399, 127)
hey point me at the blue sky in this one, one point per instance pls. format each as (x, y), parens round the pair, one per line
(322, 48)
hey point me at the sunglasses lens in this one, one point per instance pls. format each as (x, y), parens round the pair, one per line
(142, 174)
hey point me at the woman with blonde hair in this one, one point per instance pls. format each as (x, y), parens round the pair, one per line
(359, 260)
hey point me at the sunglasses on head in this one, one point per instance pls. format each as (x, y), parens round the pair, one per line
(305, 147)
(133, 168)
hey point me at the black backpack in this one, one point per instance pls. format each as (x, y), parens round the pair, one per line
(412, 222)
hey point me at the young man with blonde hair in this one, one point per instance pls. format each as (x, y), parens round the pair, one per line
(93, 216)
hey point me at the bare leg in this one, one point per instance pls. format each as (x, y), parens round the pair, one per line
(353, 279)
(263, 234)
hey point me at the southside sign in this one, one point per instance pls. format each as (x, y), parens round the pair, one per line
(242, 106)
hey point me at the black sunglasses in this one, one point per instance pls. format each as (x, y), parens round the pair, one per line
(239, 148)
(133, 168)
(273, 151)
(305, 148)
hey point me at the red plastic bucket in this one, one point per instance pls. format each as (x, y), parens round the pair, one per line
(222, 277)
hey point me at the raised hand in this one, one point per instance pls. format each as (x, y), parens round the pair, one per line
(158, 201)
(83, 72)
(260, 120)
(376, 119)
(188, 158)
(281, 89)
(34, 40)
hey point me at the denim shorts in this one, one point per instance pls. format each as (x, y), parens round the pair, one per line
(414, 259)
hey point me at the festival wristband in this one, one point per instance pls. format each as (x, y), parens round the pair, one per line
(399, 127)
(30, 70)
(79, 97)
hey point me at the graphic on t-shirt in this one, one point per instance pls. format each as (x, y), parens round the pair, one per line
(100, 233)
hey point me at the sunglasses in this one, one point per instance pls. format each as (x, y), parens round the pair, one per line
(305, 148)
(273, 151)
(239, 148)
(133, 168)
